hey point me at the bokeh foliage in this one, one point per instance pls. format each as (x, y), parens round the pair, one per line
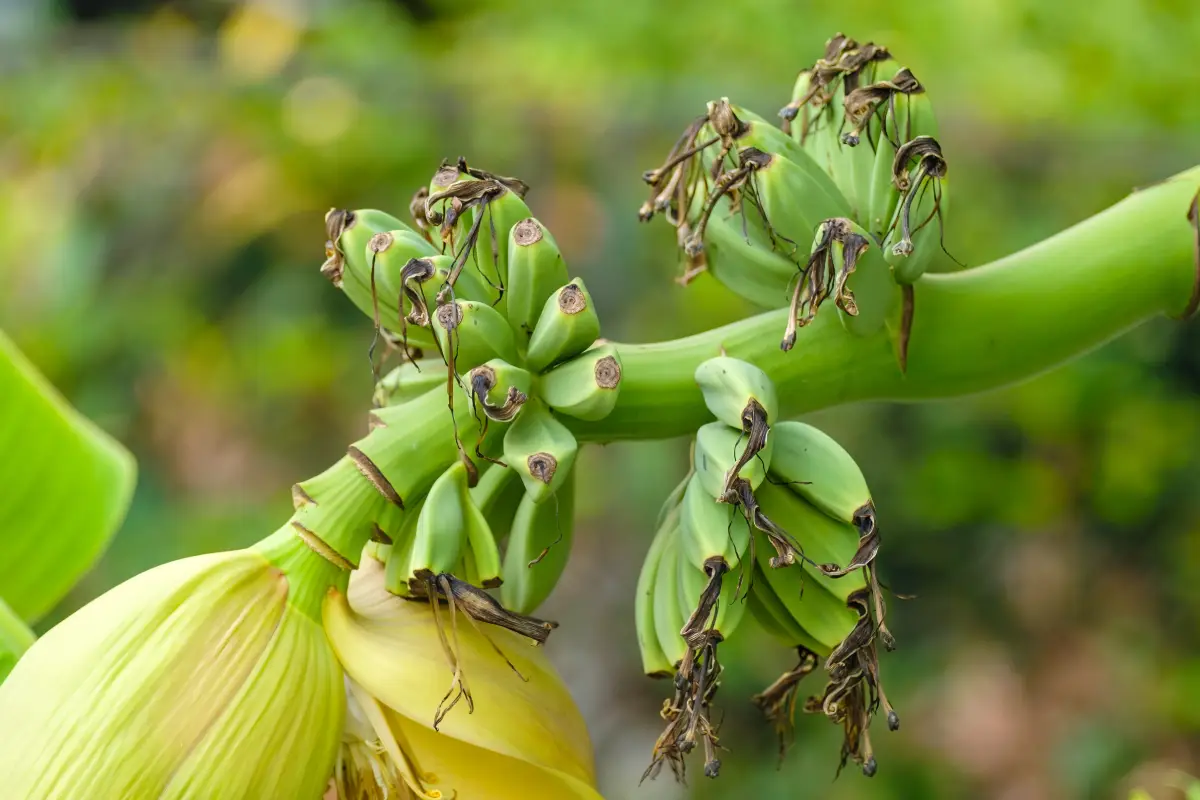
(164, 170)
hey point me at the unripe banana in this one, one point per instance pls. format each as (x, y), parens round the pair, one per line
(790, 198)
(872, 287)
(497, 495)
(587, 386)
(498, 389)
(919, 171)
(654, 660)
(719, 449)
(566, 326)
(348, 263)
(702, 614)
(481, 556)
(396, 574)
(709, 529)
(440, 535)
(744, 261)
(535, 270)
(818, 469)
(668, 619)
(825, 542)
(774, 617)
(541, 450)
(538, 548)
(737, 392)
(822, 615)
(500, 216)
(471, 333)
(409, 381)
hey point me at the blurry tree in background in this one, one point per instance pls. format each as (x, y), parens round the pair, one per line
(164, 172)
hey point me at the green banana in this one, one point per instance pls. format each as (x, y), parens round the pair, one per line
(566, 326)
(481, 556)
(770, 612)
(498, 389)
(668, 618)
(789, 198)
(585, 387)
(745, 262)
(702, 615)
(919, 172)
(655, 662)
(535, 270)
(737, 392)
(822, 615)
(471, 333)
(538, 548)
(875, 293)
(541, 450)
(709, 529)
(396, 574)
(719, 450)
(818, 469)
(499, 217)
(440, 535)
(825, 541)
(497, 495)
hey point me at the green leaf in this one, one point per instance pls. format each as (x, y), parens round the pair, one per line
(65, 488)
(15, 638)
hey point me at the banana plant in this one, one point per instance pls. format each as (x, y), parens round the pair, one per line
(399, 596)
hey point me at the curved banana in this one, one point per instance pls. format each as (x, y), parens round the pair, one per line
(538, 548)
(470, 333)
(719, 457)
(709, 529)
(535, 270)
(822, 615)
(585, 387)
(737, 393)
(770, 612)
(440, 535)
(566, 326)
(396, 574)
(668, 618)
(541, 450)
(409, 381)
(655, 662)
(816, 467)
(497, 495)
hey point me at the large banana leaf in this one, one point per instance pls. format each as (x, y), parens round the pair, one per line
(64, 488)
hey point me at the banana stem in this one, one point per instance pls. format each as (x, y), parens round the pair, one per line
(972, 331)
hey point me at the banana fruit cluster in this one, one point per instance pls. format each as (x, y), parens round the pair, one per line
(774, 518)
(855, 170)
(468, 450)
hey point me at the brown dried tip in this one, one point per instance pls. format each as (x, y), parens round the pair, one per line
(571, 299)
(689, 714)
(482, 380)
(482, 607)
(607, 373)
(527, 232)
(778, 701)
(514, 185)
(450, 315)
(542, 466)
(696, 630)
(380, 242)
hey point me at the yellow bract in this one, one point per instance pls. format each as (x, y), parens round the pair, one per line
(194, 679)
(525, 738)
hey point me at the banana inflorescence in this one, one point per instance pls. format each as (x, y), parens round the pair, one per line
(471, 478)
(843, 203)
(776, 519)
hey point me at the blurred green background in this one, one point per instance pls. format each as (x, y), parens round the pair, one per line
(164, 171)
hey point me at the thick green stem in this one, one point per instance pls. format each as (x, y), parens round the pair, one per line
(973, 330)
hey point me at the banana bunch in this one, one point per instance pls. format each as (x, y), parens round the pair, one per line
(774, 517)
(855, 170)
(469, 463)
